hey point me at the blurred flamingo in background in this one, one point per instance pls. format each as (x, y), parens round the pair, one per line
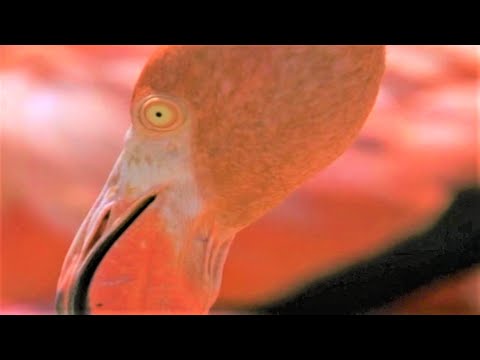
(424, 120)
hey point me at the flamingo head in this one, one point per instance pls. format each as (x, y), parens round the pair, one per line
(219, 135)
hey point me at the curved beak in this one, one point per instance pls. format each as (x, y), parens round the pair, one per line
(126, 260)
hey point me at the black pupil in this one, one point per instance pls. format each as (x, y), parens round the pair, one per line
(158, 114)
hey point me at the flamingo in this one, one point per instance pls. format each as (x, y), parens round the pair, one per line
(219, 136)
(406, 170)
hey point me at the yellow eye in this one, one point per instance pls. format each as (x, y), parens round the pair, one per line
(160, 114)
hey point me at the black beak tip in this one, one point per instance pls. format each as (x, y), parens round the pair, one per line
(59, 303)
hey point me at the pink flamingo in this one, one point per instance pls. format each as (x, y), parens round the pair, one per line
(219, 136)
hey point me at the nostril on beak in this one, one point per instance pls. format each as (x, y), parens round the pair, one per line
(78, 303)
(98, 232)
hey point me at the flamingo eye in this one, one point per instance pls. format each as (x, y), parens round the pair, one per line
(160, 114)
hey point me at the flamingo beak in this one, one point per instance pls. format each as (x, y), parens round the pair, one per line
(125, 260)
